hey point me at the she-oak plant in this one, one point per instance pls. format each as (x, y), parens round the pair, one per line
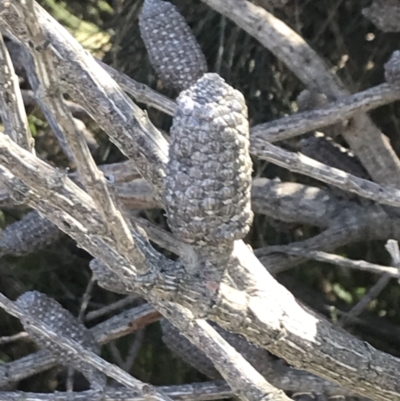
(203, 180)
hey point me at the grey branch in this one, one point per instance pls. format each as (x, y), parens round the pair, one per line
(337, 260)
(337, 111)
(188, 392)
(304, 165)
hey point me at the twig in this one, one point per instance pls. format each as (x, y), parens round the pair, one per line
(112, 307)
(141, 92)
(86, 298)
(133, 350)
(29, 66)
(360, 306)
(16, 337)
(340, 110)
(12, 106)
(338, 260)
(393, 248)
(304, 165)
(187, 392)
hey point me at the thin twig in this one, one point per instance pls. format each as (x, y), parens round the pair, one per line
(360, 306)
(187, 392)
(13, 114)
(393, 248)
(16, 337)
(337, 260)
(86, 298)
(141, 92)
(134, 348)
(338, 111)
(304, 165)
(112, 307)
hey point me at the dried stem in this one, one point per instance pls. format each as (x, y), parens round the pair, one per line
(304, 165)
(11, 103)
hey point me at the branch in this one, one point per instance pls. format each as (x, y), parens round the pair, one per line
(239, 374)
(271, 318)
(338, 111)
(337, 260)
(73, 211)
(304, 165)
(275, 370)
(141, 92)
(187, 392)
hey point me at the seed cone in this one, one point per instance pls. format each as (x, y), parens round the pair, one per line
(30, 234)
(208, 184)
(173, 50)
(62, 322)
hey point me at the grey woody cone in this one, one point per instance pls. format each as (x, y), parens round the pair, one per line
(392, 70)
(173, 50)
(32, 233)
(208, 183)
(62, 322)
